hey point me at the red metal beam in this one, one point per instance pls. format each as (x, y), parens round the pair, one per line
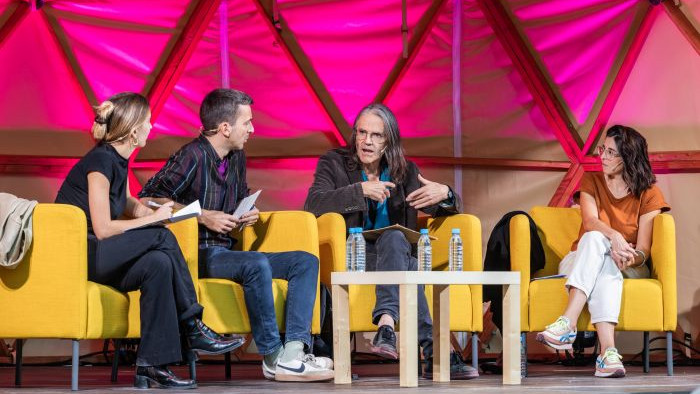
(284, 36)
(567, 186)
(61, 39)
(420, 33)
(175, 64)
(661, 162)
(505, 164)
(36, 165)
(620, 79)
(534, 77)
(14, 20)
(684, 25)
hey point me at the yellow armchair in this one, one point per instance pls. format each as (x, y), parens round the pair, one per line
(647, 304)
(465, 301)
(281, 231)
(48, 294)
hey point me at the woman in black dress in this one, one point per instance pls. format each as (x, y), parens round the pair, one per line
(144, 258)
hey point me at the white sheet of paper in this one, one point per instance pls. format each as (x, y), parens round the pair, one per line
(193, 209)
(246, 204)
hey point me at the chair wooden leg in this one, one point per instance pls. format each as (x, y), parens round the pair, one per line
(18, 362)
(227, 368)
(523, 354)
(669, 352)
(475, 350)
(75, 365)
(645, 352)
(115, 359)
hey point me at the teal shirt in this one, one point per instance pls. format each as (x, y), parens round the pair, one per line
(377, 215)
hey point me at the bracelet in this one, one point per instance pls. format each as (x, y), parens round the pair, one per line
(644, 256)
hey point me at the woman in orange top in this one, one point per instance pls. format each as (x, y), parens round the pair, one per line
(618, 206)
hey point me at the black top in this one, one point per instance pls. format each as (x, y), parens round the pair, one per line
(104, 159)
(337, 188)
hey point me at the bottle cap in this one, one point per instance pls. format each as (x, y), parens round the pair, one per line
(424, 231)
(455, 231)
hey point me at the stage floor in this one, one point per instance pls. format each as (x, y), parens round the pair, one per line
(247, 378)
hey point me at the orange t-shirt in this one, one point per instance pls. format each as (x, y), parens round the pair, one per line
(621, 214)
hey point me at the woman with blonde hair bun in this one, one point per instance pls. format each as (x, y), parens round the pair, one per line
(146, 258)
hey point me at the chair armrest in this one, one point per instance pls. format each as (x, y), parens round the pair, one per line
(519, 228)
(282, 231)
(46, 294)
(331, 237)
(470, 231)
(663, 260)
(187, 234)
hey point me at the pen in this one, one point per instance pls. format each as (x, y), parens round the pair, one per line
(154, 204)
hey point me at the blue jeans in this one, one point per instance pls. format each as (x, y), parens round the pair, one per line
(255, 271)
(392, 252)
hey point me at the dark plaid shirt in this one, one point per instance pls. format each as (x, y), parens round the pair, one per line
(192, 173)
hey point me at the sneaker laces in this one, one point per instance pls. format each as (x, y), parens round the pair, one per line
(311, 359)
(612, 356)
(562, 323)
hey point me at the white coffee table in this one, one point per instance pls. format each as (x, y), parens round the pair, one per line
(408, 282)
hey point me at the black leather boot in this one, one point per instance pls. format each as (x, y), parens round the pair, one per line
(202, 339)
(160, 377)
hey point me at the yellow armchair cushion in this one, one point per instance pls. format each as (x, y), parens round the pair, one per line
(641, 308)
(108, 311)
(226, 311)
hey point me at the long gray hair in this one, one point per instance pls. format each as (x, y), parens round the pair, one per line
(393, 151)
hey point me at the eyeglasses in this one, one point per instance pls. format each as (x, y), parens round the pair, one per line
(602, 151)
(376, 137)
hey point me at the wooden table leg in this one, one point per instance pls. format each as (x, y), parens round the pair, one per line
(341, 334)
(408, 335)
(441, 333)
(511, 334)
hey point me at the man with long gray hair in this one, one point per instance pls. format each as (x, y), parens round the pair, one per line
(372, 185)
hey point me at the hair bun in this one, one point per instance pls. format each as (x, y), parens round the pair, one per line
(103, 113)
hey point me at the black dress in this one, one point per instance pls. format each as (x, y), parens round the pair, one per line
(147, 259)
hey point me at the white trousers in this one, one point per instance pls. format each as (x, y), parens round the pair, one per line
(592, 270)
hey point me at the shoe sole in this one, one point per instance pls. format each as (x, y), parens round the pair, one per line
(314, 377)
(380, 351)
(553, 344)
(454, 376)
(145, 383)
(618, 373)
(225, 350)
(268, 375)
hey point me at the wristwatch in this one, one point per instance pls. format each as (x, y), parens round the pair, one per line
(450, 200)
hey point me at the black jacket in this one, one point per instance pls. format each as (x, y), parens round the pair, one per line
(337, 188)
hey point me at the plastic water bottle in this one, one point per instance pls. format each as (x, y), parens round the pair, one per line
(359, 254)
(349, 266)
(355, 250)
(425, 251)
(455, 255)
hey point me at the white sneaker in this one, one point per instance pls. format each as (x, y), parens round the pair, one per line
(305, 368)
(324, 362)
(558, 335)
(609, 364)
(269, 372)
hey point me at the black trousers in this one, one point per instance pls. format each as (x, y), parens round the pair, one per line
(150, 260)
(392, 252)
